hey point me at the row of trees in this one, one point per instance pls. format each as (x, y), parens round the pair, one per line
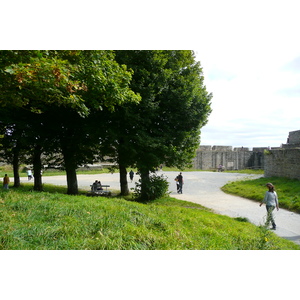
(140, 108)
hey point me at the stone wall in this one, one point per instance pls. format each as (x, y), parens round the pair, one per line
(283, 163)
(210, 157)
(294, 137)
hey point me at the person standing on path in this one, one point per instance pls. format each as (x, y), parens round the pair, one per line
(5, 182)
(180, 183)
(271, 200)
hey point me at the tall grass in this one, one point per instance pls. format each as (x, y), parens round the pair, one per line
(288, 190)
(51, 220)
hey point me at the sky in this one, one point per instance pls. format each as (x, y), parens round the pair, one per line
(252, 67)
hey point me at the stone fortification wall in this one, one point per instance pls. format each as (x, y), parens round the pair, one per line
(293, 140)
(210, 157)
(294, 137)
(283, 163)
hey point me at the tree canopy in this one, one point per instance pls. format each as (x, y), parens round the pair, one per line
(141, 108)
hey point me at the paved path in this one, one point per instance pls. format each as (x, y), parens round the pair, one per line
(204, 188)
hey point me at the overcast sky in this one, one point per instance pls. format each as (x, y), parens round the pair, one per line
(249, 51)
(251, 64)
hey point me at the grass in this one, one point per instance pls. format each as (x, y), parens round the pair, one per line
(52, 220)
(288, 190)
(248, 171)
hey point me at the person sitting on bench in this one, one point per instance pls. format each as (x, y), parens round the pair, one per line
(97, 186)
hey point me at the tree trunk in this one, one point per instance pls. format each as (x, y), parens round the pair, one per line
(16, 165)
(71, 172)
(123, 181)
(144, 184)
(37, 168)
(72, 181)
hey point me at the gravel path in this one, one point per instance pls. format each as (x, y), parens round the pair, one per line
(204, 188)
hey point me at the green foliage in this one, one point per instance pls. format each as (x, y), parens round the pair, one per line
(267, 152)
(171, 85)
(156, 187)
(54, 221)
(60, 97)
(288, 190)
(83, 105)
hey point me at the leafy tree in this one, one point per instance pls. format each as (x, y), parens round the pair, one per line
(34, 82)
(165, 126)
(65, 86)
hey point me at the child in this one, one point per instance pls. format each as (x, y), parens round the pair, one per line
(5, 182)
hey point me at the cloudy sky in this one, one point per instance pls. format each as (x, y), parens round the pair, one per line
(251, 64)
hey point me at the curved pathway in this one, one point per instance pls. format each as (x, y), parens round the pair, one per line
(204, 188)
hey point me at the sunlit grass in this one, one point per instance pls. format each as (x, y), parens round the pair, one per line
(288, 190)
(53, 220)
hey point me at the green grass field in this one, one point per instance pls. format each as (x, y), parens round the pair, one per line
(54, 220)
(288, 190)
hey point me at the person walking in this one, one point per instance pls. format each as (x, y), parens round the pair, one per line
(29, 174)
(271, 201)
(6, 182)
(131, 174)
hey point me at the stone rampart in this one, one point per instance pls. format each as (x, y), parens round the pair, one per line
(283, 163)
(294, 137)
(210, 157)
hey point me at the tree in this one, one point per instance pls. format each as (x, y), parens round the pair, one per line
(75, 83)
(13, 141)
(165, 126)
(35, 81)
(107, 88)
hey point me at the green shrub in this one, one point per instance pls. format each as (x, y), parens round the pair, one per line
(155, 188)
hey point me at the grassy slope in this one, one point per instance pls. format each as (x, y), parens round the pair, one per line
(288, 190)
(52, 220)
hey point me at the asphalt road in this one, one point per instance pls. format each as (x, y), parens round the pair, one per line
(204, 188)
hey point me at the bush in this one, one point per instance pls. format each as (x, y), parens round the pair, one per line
(155, 188)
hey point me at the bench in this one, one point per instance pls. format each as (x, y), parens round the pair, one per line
(100, 192)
